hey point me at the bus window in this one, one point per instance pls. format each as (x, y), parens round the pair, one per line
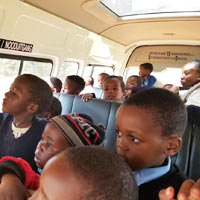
(41, 69)
(8, 71)
(87, 71)
(68, 68)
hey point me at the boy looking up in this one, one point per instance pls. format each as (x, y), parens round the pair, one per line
(20, 130)
(150, 125)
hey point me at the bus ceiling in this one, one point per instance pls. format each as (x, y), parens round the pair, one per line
(157, 22)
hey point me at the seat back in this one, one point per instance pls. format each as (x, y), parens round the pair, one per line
(188, 158)
(101, 111)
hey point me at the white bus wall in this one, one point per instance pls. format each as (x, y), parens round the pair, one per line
(54, 37)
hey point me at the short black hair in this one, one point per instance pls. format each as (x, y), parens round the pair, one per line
(55, 107)
(197, 62)
(118, 78)
(39, 90)
(56, 82)
(104, 175)
(138, 79)
(79, 82)
(103, 74)
(167, 109)
(148, 66)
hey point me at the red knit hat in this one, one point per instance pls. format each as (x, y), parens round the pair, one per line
(77, 130)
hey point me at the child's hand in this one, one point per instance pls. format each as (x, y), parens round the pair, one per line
(87, 97)
(11, 188)
(188, 191)
(167, 194)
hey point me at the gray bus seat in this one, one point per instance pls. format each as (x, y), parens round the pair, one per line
(188, 158)
(101, 111)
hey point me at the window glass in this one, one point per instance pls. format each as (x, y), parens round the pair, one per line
(68, 68)
(8, 71)
(41, 69)
(123, 8)
(87, 71)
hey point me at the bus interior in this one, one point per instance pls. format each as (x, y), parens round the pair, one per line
(87, 37)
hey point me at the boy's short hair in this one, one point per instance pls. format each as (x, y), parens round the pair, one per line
(80, 83)
(118, 78)
(39, 90)
(55, 107)
(138, 79)
(148, 66)
(167, 109)
(56, 82)
(103, 74)
(104, 174)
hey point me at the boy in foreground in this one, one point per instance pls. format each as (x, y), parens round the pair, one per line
(150, 125)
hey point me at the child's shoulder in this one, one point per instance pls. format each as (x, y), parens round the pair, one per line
(5, 116)
(174, 178)
(39, 121)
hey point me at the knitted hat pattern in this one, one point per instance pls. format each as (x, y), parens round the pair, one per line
(77, 130)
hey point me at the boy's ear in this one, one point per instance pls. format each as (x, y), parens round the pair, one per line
(173, 145)
(32, 108)
(47, 115)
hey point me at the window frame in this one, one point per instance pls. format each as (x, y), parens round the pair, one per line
(22, 58)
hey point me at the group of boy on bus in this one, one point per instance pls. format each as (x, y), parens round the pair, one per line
(149, 126)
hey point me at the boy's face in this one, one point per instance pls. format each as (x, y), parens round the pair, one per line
(131, 83)
(100, 80)
(139, 141)
(52, 143)
(70, 87)
(17, 99)
(143, 72)
(112, 90)
(190, 76)
(58, 182)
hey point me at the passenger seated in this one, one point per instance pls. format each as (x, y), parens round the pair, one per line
(73, 85)
(145, 70)
(82, 173)
(172, 88)
(132, 82)
(20, 129)
(55, 84)
(87, 173)
(89, 82)
(54, 109)
(113, 89)
(60, 133)
(149, 127)
(101, 78)
(191, 80)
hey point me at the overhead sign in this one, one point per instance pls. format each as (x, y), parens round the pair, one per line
(16, 46)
